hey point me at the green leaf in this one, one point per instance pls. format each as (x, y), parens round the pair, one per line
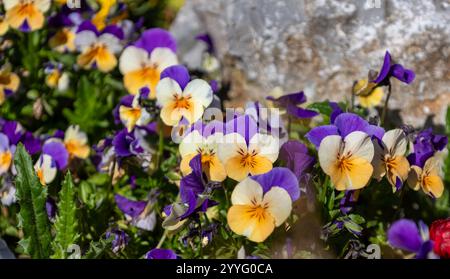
(98, 248)
(32, 216)
(66, 223)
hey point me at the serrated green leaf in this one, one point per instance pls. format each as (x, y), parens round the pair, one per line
(98, 248)
(31, 197)
(65, 224)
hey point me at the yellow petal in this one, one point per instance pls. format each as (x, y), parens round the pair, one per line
(243, 220)
(145, 77)
(214, 169)
(261, 165)
(355, 175)
(184, 165)
(414, 178)
(434, 185)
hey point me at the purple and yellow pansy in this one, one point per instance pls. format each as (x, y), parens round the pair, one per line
(98, 48)
(261, 203)
(142, 63)
(9, 83)
(26, 15)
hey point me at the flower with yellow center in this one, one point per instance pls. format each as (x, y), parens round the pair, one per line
(9, 83)
(389, 158)
(428, 178)
(176, 103)
(242, 158)
(347, 161)
(5, 154)
(26, 15)
(142, 63)
(369, 93)
(98, 49)
(63, 40)
(207, 145)
(134, 115)
(75, 142)
(262, 203)
(45, 169)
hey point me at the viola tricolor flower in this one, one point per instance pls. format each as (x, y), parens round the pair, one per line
(427, 178)
(98, 47)
(204, 140)
(142, 63)
(390, 159)
(57, 152)
(406, 235)
(26, 15)
(295, 155)
(6, 155)
(76, 143)
(46, 169)
(390, 69)
(9, 83)
(120, 240)
(291, 103)
(135, 114)
(161, 254)
(56, 78)
(426, 145)
(246, 151)
(261, 203)
(180, 98)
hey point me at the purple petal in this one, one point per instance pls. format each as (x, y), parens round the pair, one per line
(58, 152)
(295, 154)
(13, 131)
(130, 207)
(25, 27)
(244, 125)
(349, 122)
(439, 142)
(50, 206)
(87, 26)
(375, 131)
(60, 20)
(209, 129)
(336, 110)
(316, 135)
(122, 142)
(405, 235)
(161, 254)
(281, 177)
(402, 74)
(114, 30)
(289, 99)
(425, 249)
(156, 37)
(178, 73)
(4, 142)
(207, 40)
(193, 182)
(31, 143)
(300, 112)
(385, 69)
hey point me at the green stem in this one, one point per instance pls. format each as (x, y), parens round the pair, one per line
(160, 143)
(163, 238)
(386, 103)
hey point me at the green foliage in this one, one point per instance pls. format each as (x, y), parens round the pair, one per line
(66, 221)
(98, 249)
(32, 216)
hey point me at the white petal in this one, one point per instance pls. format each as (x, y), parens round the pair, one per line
(45, 164)
(165, 90)
(132, 59)
(63, 82)
(146, 222)
(360, 145)
(144, 119)
(74, 133)
(191, 143)
(163, 57)
(200, 91)
(111, 42)
(395, 141)
(266, 145)
(248, 191)
(279, 204)
(230, 146)
(328, 152)
(85, 39)
(43, 5)
(9, 4)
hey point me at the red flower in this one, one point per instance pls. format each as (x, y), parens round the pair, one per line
(440, 234)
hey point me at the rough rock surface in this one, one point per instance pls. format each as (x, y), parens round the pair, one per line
(323, 46)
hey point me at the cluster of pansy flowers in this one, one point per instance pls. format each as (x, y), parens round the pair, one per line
(245, 147)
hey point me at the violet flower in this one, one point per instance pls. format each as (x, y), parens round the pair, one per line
(120, 240)
(426, 144)
(295, 155)
(344, 124)
(390, 69)
(406, 235)
(139, 212)
(290, 102)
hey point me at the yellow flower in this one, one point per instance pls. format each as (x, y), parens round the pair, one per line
(427, 178)
(389, 158)
(134, 115)
(193, 144)
(26, 15)
(75, 142)
(347, 161)
(255, 214)
(369, 94)
(63, 40)
(241, 159)
(99, 19)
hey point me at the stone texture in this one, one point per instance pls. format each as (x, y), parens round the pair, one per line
(323, 46)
